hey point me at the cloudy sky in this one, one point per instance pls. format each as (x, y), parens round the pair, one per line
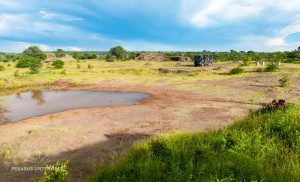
(166, 25)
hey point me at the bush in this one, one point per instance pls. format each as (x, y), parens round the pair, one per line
(16, 73)
(236, 70)
(58, 64)
(272, 67)
(26, 62)
(285, 81)
(57, 173)
(259, 70)
(36, 66)
(90, 66)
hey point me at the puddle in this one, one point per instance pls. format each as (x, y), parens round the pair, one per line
(33, 103)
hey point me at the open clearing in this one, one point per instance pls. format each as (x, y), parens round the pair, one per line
(198, 99)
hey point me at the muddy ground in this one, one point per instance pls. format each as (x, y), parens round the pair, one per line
(89, 138)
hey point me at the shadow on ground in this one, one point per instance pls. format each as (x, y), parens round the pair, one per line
(82, 161)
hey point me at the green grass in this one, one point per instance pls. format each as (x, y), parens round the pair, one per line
(264, 146)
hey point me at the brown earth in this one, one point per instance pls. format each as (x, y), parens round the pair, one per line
(95, 137)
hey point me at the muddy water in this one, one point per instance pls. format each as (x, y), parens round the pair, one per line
(33, 103)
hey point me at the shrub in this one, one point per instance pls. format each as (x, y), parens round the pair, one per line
(2, 68)
(273, 66)
(16, 73)
(63, 72)
(78, 66)
(58, 64)
(36, 66)
(90, 66)
(57, 173)
(26, 62)
(236, 70)
(285, 81)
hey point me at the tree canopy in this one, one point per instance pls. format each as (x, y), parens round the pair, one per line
(34, 52)
(60, 53)
(117, 52)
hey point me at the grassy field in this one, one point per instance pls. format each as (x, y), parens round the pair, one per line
(261, 147)
(95, 71)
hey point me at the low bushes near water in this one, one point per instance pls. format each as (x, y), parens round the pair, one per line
(265, 146)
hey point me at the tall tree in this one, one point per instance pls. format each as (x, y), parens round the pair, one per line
(34, 52)
(119, 52)
(60, 53)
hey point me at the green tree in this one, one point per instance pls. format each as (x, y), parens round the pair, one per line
(119, 52)
(76, 55)
(34, 52)
(60, 53)
(36, 66)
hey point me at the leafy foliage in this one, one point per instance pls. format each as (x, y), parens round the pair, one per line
(26, 62)
(236, 70)
(271, 67)
(117, 52)
(58, 64)
(60, 53)
(36, 66)
(285, 81)
(34, 52)
(57, 173)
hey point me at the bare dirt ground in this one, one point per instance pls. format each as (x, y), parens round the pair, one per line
(89, 138)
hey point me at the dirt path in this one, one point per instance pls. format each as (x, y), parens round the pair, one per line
(89, 137)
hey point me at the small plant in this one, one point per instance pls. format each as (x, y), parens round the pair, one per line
(78, 66)
(285, 81)
(58, 64)
(236, 70)
(16, 73)
(8, 65)
(63, 72)
(272, 67)
(2, 68)
(90, 66)
(57, 173)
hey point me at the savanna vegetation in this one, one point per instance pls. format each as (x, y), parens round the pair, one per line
(264, 146)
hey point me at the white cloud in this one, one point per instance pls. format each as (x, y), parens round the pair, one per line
(291, 29)
(51, 15)
(208, 13)
(276, 42)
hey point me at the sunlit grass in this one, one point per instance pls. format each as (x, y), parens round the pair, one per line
(261, 147)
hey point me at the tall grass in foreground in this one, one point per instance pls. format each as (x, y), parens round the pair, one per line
(265, 146)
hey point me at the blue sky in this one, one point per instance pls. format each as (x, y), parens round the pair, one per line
(153, 25)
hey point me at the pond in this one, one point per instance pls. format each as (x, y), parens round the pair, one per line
(33, 103)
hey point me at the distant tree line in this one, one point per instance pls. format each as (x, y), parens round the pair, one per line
(245, 57)
(119, 53)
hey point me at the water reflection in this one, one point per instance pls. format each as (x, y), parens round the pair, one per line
(38, 96)
(40, 102)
